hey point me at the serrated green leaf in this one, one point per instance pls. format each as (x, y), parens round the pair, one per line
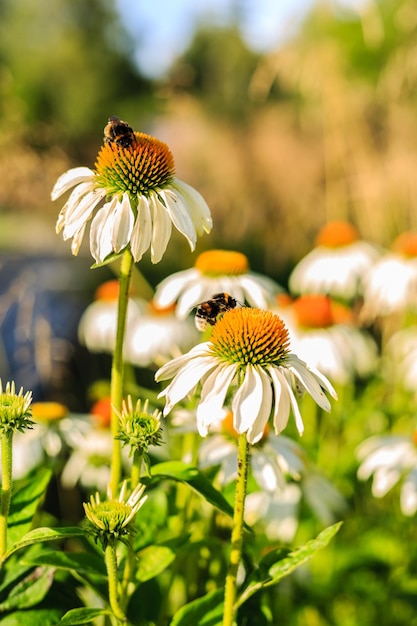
(39, 535)
(193, 477)
(205, 611)
(26, 496)
(277, 564)
(29, 591)
(83, 562)
(82, 615)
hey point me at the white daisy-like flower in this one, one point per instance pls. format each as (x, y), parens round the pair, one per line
(248, 354)
(323, 335)
(158, 335)
(133, 198)
(389, 460)
(98, 324)
(216, 271)
(336, 265)
(276, 513)
(390, 286)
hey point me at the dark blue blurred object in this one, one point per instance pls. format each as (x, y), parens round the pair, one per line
(41, 301)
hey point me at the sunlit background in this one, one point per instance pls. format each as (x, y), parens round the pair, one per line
(284, 115)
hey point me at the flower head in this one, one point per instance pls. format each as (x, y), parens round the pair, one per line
(216, 271)
(15, 409)
(139, 429)
(248, 354)
(133, 199)
(111, 519)
(336, 265)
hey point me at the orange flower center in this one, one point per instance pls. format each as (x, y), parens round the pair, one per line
(337, 235)
(48, 411)
(222, 262)
(145, 166)
(313, 311)
(406, 244)
(250, 335)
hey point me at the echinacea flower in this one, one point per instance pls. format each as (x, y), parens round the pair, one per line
(389, 460)
(216, 271)
(248, 354)
(390, 286)
(15, 409)
(133, 198)
(336, 265)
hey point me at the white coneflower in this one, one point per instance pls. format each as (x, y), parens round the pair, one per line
(248, 353)
(216, 271)
(133, 198)
(336, 266)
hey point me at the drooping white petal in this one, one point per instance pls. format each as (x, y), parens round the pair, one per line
(213, 394)
(161, 228)
(180, 215)
(71, 204)
(70, 178)
(256, 430)
(101, 229)
(77, 240)
(281, 399)
(247, 400)
(186, 379)
(294, 404)
(200, 212)
(142, 230)
(80, 210)
(171, 368)
(122, 224)
(267, 472)
(309, 381)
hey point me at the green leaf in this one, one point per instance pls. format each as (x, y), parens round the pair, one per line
(34, 617)
(83, 562)
(29, 591)
(278, 563)
(107, 260)
(191, 475)
(205, 611)
(39, 535)
(26, 496)
(82, 615)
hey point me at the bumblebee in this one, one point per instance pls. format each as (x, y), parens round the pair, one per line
(209, 312)
(118, 132)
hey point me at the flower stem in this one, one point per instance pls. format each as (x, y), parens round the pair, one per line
(6, 486)
(237, 531)
(116, 387)
(111, 565)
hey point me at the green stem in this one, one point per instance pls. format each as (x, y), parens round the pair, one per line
(111, 565)
(135, 471)
(6, 486)
(237, 531)
(116, 387)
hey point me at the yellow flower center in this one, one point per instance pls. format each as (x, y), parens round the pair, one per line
(406, 244)
(249, 335)
(337, 235)
(145, 166)
(222, 262)
(48, 411)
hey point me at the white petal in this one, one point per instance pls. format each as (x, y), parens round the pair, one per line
(142, 230)
(77, 240)
(247, 400)
(213, 394)
(281, 400)
(186, 379)
(199, 210)
(123, 224)
(101, 231)
(171, 368)
(256, 431)
(80, 211)
(168, 290)
(70, 178)
(309, 381)
(180, 216)
(161, 228)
